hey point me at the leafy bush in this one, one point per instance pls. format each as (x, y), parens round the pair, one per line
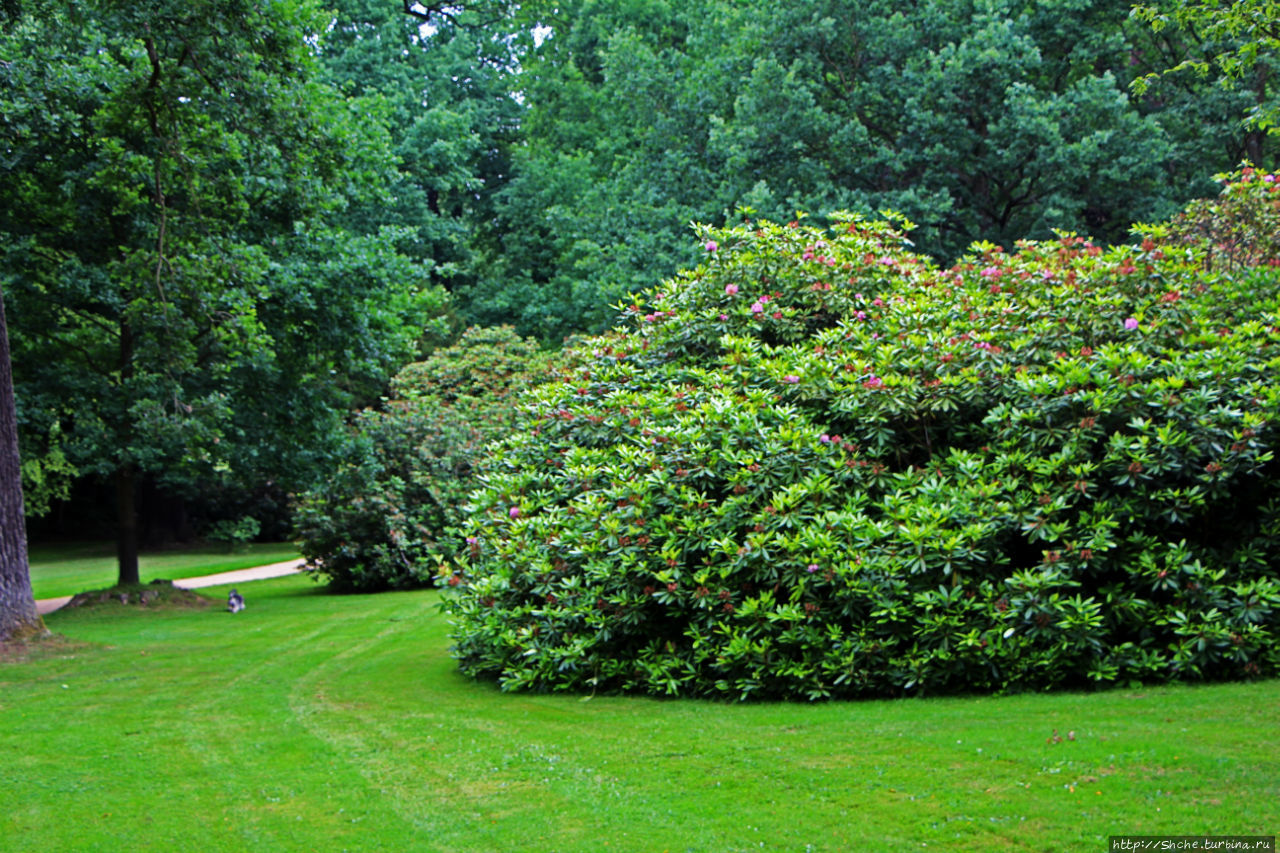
(387, 516)
(1240, 228)
(486, 364)
(234, 534)
(820, 466)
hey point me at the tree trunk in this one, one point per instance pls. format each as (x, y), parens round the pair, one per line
(127, 529)
(126, 476)
(18, 616)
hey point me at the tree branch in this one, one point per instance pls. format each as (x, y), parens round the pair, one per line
(429, 12)
(425, 11)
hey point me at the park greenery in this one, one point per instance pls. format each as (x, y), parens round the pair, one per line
(977, 120)
(392, 511)
(820, 465)
(65, 568)
(314, 721)
(914, 407)
(1243, 37)
(194, 301)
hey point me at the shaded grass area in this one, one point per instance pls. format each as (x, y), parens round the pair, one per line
(339, 722)
(68, 568)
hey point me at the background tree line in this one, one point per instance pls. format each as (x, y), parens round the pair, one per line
(978, 119)
(224, 224)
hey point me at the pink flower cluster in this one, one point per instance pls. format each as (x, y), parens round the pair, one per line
(811, 254)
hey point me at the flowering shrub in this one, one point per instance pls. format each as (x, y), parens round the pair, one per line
(819, 466)
(388, 515)
(1240, 228)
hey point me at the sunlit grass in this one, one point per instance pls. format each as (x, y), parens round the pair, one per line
(68, 568)
(312, 721)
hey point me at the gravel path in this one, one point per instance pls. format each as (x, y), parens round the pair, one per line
(275, 570)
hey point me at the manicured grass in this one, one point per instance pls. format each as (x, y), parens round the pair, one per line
(68, 568)
(320, 722)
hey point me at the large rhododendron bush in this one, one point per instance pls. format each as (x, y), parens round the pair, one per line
(819, 466)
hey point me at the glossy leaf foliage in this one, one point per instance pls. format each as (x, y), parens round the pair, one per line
(817, 465)
(1238, 229)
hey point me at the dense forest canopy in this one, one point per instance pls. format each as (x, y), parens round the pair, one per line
(224, 224)
(977, 120)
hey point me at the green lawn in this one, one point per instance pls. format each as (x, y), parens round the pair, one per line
(319, 722)
(65, 569)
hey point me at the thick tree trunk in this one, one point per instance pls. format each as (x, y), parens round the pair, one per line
(127, 529)
(18, 616)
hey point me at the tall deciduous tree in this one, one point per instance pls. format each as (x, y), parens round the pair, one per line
(1242, 40)
(18, 614)
(189, 304)
(444, 80)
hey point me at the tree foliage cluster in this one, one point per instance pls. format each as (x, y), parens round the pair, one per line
(199, 287)
(819, 465)
(978, 119)
(1242, 38)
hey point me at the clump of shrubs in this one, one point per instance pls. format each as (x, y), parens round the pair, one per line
(388, 516)
(820, 466)
(1238, 229)
(234, 534)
